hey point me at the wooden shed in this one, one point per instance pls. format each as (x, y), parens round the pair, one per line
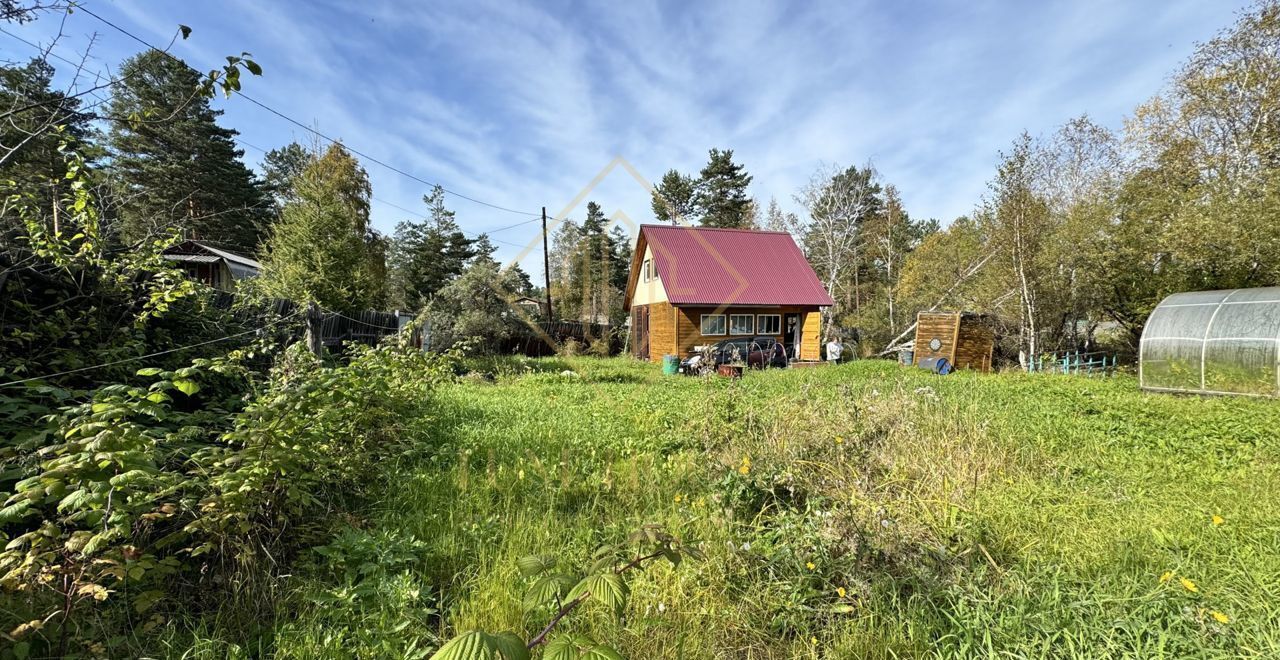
(965, 339)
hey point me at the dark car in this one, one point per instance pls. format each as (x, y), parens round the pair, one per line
(756, 352)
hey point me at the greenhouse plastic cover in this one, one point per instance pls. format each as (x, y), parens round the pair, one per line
(1213, 342)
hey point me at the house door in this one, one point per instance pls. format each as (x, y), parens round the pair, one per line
(640, 332)
(791, 335)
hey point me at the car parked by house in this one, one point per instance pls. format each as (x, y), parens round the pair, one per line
(759, 352)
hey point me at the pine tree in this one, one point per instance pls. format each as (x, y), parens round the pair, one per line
(175, 166)
(279, 169)
(673, 198)
(721, 198)
(29, 141)
(429, 254)
(320, 249)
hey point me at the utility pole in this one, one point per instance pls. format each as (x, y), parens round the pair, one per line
(546, 263)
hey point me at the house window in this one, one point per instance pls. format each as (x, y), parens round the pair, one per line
(648, 270)
(769, 324)
(742, 324)
(712, 324)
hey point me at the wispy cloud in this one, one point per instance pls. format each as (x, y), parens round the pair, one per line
(521, 104)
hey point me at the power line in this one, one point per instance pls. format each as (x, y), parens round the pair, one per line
(418, 213)
(311, 130)
(151, 355)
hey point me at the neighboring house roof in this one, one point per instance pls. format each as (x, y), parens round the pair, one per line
(195, 251)
(703, 265)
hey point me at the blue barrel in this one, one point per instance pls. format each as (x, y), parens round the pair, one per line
(938, 365)
(670, 364)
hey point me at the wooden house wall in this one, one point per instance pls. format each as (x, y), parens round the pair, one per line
(662, 331)
(688, 327)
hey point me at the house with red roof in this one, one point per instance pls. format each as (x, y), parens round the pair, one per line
(694, 286)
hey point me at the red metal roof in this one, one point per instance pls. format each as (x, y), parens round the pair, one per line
(702, 265)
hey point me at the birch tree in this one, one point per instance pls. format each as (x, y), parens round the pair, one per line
(836, 201)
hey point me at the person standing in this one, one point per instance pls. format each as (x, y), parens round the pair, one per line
(834, 349)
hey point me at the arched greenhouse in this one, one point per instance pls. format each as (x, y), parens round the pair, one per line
(1213, 342)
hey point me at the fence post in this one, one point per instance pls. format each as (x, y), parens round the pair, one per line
(315, 342)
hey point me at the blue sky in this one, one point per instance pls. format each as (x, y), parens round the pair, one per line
(523, 105)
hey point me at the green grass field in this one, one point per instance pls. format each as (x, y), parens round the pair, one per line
(863, 510)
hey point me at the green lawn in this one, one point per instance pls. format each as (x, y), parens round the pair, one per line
(864, 510)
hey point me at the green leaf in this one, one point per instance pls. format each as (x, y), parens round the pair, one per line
(186, 386)
(561, 648)
(535, 565)
(578, 647)
(608, 588)
(547, 588)
(149, 371)
(476, 645)
(159, 397)
(186, 31)
(253, 67)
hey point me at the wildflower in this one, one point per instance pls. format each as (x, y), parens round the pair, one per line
(1168, 575)
(520, 474)
(1188, 584)
(813, 640)
(677, 498)
(840, 592)
(839, 440)
(810, 565)
(1217, 519)
(1219, 616)
(745, 468)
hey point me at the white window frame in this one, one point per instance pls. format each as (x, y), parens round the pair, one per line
(702, 325)
(648, 269)
(778, 324)
(750, 331)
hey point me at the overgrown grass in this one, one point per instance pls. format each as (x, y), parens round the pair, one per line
(856, 511)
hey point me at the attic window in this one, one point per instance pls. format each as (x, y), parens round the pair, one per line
(648, 270)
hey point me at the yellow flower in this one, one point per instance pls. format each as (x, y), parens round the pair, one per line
(840, 592)
(839, 440)
(1168, 575)
(810, 566)
(745, 469)
(813, 640)
(1219, 616)
(520, 474)
(1217, 519)
(1188, 584)
(677, 498)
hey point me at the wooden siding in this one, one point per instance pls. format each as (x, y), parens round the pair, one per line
(936, 325)
(974, 345)
(967, 341)
(662, 331)
(688, 327)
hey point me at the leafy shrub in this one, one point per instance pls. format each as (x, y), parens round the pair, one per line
(134, 498)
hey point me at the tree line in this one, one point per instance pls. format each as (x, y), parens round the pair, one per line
(161, 165)
(1080, 234)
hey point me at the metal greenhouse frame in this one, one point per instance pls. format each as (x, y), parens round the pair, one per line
(1213, 342)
